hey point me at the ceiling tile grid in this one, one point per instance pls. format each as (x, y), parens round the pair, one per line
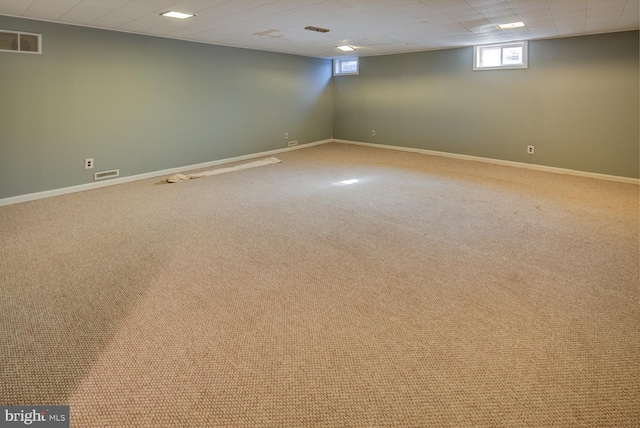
(373, 27)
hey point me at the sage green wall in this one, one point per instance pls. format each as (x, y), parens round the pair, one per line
(143, 104)
(577, 103)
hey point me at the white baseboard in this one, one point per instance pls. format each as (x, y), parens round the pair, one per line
(543, 168)
(96, 185)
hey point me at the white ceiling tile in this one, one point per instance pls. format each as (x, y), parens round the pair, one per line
(446, 4)
(417, 10)
(137, 27)
(131, 11)
(143, 7)
(49, 10)
(561, 6)
(598, 27)
(529, 5)
(14, 7)
(396, 3)
(568, 30)
(195, 6)
(476, 3)
(603, 14)
(630, 16)
(535, 15)
(90, 10)
(632, 6)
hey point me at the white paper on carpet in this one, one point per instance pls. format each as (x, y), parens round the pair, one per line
(177, 178)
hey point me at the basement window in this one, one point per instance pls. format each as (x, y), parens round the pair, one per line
(346, 66)
(503, 56)
(14, 41)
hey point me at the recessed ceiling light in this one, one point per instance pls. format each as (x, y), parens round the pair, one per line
(510, 25)
(345, 48)
(179, 15)
(347, 182)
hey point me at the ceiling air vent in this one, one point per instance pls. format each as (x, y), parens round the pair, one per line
(317, 29)
(14, 41)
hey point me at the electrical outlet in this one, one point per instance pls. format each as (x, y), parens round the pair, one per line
(286, 135)
(373, 132)
(88, 163)
(530, 150)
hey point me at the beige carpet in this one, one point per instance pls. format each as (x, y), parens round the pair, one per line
(431, 293)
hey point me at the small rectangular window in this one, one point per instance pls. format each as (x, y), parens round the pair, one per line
(495, 57)
(346, 66)
(14, 41)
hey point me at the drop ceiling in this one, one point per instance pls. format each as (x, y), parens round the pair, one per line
(373, 27)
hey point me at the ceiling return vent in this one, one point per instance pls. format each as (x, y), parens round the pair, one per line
(317, 29)
(15, 41)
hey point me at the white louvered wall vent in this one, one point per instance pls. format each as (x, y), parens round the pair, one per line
(15, 41)
(106, 174)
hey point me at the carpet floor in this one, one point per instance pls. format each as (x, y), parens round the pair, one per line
(431, 292)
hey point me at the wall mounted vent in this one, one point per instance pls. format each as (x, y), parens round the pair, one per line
(15, 41)
(106, 174)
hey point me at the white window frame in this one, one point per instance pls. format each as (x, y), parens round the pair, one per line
(478, 50)
(19, 34)
(337, 63)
